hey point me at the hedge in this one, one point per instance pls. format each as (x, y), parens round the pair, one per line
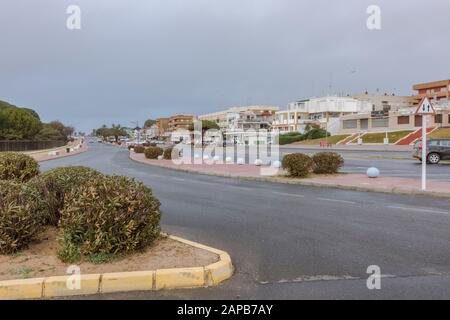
(327, 162)
(153, 152)
(17, 166)
(54, 184)
(139, 149)
(109, 215)
(20, 216)
(298, 164)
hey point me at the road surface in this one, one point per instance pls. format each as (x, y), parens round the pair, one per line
(295, 242)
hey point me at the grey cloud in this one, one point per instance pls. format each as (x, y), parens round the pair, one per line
(147, 58)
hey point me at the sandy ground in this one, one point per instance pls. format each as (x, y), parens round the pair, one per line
(40, 259)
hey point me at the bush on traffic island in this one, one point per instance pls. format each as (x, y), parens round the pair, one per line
(139, 149)
(298, 164)
(153, 152)
(327, 162)
(54, 184)
(20, 216)
(110, 215)
(17, 166)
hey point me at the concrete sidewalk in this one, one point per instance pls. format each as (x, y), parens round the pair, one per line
(44, 155)
(358, 182)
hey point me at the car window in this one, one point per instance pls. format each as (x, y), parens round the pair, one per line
(434, 142)
(445, 143)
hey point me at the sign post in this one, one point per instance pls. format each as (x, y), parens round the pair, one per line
(425, 108)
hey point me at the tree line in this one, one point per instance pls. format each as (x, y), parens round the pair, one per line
(18, 123)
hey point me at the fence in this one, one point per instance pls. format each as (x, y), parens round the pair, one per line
(28, 145)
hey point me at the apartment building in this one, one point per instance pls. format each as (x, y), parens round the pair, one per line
(436, 90)
(400, 115)
(236, 122)
(244, 117)
(162, 125)
(180, 121)
(323, 111)
(385, 102)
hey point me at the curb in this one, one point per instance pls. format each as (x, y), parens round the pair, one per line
(175, 278)
(390, 190)
(85, 148)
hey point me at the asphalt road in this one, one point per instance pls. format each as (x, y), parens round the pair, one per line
(359, 161)
(295, 242)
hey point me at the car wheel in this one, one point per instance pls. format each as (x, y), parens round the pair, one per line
(434, 158)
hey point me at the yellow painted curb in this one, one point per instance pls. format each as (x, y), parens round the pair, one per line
(127, 281)
(70, 285)
(21, 289)
(180, 278)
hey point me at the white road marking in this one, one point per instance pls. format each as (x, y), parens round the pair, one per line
(419, 209)
(241, 188)
(336, 200)
(204, 182)
(288, 194)
(177, 179)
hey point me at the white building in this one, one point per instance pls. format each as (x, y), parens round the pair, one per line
(235, 122)
(323, 111)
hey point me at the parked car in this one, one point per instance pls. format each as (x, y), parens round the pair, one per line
(437, 150)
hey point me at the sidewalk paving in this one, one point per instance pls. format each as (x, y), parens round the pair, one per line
(358, 182)
(43, 155)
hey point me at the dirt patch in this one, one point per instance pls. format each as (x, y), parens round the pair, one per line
(40, 259)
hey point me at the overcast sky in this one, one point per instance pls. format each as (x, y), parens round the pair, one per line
(140, 59)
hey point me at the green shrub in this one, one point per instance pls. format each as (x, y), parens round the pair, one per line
(69, 252)
(327, 162)
(290, 138)
(298, 164)
(316, 133)
(139, 149)
(20, 216)
(153, 152)
(168, 154)
(109, 215)
(17, 166)
(54, 184)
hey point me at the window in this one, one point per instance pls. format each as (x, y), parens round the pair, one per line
(380, 122)
(434, 143)
(438, 118)
(403, 120)
(350, 124)
(445, 143)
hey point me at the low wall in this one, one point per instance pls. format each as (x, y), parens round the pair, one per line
(29, 145)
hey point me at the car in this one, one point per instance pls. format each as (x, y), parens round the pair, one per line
(437, 150)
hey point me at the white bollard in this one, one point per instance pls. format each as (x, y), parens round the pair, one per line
(276, 164)
(373, 172)
(240, 161)
(258, 162)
